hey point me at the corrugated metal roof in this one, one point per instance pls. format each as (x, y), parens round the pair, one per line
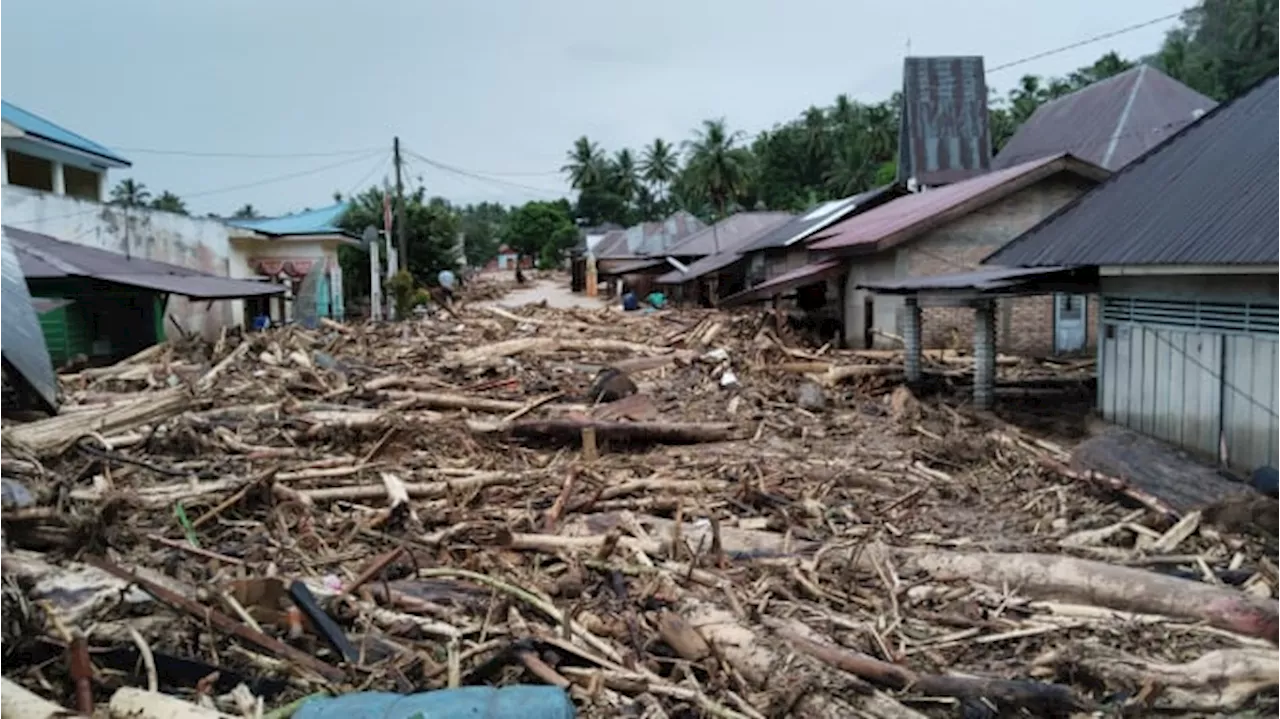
(626, 267)
(1208, 196)
(45, 258)
(33, 124)
(323, 221)
(944, 135)
(728, 234)
(810, 273)
(909, 216)
(702, 267)
(648, 238)
(201, 287)
(1109, 123)
(821, 216)
(23, 346)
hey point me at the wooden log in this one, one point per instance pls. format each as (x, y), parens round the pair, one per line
(17, 702)
(508, 348)
(570, 430)
(681, 637)
(1220, 681)
(54, 435)
(1125, 588)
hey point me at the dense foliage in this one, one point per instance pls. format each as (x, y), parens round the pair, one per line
(1219, 48)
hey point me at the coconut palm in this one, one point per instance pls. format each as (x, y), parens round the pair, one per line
(718, 166)
(624, 177)
(248, 212)
(586, 164)
(660, 166)
(130, 193)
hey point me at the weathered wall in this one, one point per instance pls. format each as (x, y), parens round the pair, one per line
(162, 236)
(1023, 325)
(249, 252)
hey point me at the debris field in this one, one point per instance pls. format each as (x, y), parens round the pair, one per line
(674, 514)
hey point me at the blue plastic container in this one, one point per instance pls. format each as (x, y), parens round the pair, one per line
(514, 702)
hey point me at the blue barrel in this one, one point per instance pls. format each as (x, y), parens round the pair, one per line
(514, 702)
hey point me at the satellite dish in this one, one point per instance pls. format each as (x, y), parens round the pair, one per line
(369, 237)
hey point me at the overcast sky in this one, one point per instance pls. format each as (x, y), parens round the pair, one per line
(494, 87)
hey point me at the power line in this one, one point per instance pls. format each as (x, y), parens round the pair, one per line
(356, 186)
(475, 175)
(1082, 43)
(246, 155)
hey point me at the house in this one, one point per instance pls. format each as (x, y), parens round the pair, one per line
(784, 248)
(43, 156)
(105, 305)
(289, 249)
(54, 184)
(940, 231)
(631, 256)
(1109, 123)
(1185, 246)
(694, 261)
(505, 261)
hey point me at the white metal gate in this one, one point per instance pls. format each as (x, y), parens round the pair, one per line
(1198, 375)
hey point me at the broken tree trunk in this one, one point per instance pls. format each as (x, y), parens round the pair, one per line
(570, 430)
(1125, 588)
(54, 435)
(479, 355)
(1220, 681)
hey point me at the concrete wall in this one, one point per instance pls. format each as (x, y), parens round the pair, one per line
(162, 236)
(1023, 325)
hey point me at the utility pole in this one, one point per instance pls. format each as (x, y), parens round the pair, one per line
(402, 244)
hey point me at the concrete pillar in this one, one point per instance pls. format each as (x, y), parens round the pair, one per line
(911, 337)
(984, 353)
(59, 180)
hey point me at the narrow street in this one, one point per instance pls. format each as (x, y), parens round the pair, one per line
(554, 291)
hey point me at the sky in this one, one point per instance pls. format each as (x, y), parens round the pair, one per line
(308, 94)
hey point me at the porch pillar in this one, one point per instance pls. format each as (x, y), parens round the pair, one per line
(59, 179)
(911, 338)
(984, 353)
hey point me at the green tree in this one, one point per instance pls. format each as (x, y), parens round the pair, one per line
(130, 193)
(718, 166)
(247, 212)
(586, 165)
(540, 229)
(481, 225)
(624, 177)
(431, 231)
(659, 166)
(1222, 46)
(169, 202)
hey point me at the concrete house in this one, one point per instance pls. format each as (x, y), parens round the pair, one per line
(55, 184)
(1185, 247)
(286, 250)
(949, 229)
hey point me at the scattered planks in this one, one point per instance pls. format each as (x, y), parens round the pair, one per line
(571, 430)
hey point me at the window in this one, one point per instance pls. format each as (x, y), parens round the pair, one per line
(81, 183)
(28, 171)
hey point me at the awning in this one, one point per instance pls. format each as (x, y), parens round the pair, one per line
(198, 288)
(807, 275)
(627, 267)
(988, 280)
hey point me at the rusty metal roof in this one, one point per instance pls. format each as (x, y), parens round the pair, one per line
(821, 216)
(1207, 196)
(985, 279)
(1109, 123)
(944, 135)
(915, 214)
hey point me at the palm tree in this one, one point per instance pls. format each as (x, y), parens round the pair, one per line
(852, 170)
(586, 164)
(130, 193)
(248, 212)
(625, 178)
(718, 166)
(169, 202)
(660, 166)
